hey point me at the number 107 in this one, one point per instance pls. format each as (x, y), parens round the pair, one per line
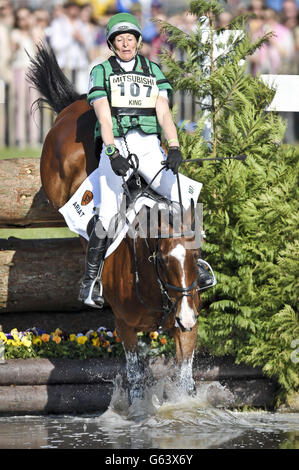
(134, 89)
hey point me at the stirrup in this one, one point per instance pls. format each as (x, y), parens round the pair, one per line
(89, 300)
(214, 280)
(100, 299)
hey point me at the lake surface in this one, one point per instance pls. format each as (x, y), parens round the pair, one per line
(179, 422)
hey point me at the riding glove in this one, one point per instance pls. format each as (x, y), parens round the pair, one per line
(119, 164)
(174, 159)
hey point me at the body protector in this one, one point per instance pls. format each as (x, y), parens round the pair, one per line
(132, 95)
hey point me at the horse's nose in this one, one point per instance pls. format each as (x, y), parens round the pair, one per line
(179, 324)
(186, 317)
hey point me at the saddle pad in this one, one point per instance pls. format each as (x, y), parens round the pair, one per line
(81, 207)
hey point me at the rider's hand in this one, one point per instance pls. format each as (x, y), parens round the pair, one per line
(174, 159)
(119, 164)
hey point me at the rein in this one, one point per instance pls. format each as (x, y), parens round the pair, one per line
(168, 304)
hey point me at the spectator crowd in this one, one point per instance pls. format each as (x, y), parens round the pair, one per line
(78, 39)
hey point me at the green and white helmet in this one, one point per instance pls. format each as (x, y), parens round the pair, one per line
(122, 23)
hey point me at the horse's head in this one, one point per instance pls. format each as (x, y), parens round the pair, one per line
(176, 263)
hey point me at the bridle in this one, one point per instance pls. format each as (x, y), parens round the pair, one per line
(169, 305)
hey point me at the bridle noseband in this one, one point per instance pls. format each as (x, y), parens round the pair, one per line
(168, 304)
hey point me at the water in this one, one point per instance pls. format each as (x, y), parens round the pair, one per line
(178, 422)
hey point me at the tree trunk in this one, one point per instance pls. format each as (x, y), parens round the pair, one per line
(22, 200)
(40, 275)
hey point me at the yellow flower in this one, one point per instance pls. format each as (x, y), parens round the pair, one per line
(82, 339)
(73, 337)
(57, 339)
(154, 335)
(12, 342)
(15, 335)
(26, 341)
(58, 331)
(3, 337)
(45, 337)
(37, 340)
(96, 342)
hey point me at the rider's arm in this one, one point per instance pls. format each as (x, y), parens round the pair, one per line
(103, 113)
(166, 121)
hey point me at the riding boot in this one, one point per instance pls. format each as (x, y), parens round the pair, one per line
(91, 286)
(205, 279)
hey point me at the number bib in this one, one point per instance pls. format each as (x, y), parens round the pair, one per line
(133, 94)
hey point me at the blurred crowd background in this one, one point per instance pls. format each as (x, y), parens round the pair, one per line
(76, 32)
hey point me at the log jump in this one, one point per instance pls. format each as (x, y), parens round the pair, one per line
(35, 275)
(22, 200)
(40, 275)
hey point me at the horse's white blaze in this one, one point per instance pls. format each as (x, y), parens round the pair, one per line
(186, 314)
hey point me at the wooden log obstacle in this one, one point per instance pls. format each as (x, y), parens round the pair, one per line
(22, 200)
(46, 386)
(35, 275)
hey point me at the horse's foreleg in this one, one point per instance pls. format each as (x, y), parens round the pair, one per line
(134, 366)
(185, 343)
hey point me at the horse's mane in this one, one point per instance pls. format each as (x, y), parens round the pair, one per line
(47, 77)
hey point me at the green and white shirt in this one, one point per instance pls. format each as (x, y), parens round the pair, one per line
(132, 89)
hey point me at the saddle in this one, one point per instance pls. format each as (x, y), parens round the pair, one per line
(137, 186)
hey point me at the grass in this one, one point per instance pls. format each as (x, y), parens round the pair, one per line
(36, 233)
(15, 152)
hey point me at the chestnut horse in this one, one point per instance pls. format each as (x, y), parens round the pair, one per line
(167, 269)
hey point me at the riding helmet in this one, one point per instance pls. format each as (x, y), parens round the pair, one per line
(122, 23)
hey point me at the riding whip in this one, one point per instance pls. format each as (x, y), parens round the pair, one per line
(236, 157)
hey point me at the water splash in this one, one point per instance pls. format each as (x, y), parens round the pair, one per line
(166, 399)
(167, 418)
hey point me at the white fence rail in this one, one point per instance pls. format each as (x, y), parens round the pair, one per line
(286, 100)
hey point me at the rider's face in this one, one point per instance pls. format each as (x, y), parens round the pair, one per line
(125, 45)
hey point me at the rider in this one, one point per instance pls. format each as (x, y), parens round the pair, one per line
(129, 95)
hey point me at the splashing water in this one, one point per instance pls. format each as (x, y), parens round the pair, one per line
(182, 421)
(164, 418)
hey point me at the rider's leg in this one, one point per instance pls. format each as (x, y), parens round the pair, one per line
(89, 292)
(110, 194)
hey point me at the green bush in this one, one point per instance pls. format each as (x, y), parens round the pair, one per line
(250, 209)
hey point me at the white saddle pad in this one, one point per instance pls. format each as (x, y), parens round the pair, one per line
(80, 208)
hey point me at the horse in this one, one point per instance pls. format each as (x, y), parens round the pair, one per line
(163, 290)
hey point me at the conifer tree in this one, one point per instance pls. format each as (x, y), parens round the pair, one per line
(250, 209)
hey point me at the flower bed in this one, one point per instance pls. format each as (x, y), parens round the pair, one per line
(36, 343)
